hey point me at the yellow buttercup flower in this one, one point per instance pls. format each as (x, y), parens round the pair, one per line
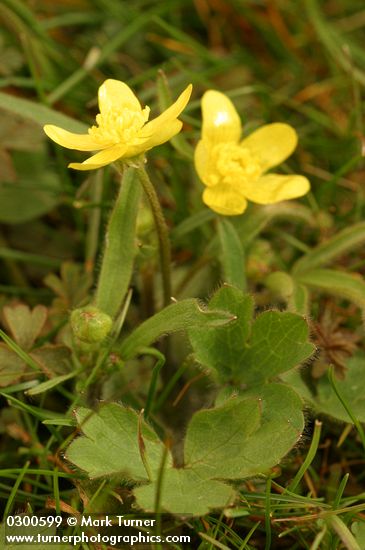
(121, 130)
(233, 171)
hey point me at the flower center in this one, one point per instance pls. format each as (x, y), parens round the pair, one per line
(234, 165)
(120, 126)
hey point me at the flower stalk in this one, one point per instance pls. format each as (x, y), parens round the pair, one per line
(162, 232)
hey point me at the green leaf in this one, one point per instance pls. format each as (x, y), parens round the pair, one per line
(358, 529)
(28, 257)
(221, 443)
(344, 241)
(191, 223)
(258, 217)
(251, 352)
(59, 422)
(20, 203)
(338, 283)
(221, 347)
(294, 379)
(16, 388)
(279, 342)
(185, 492)
(233, 260)
(50, 384)
(110, 444)
(36, 191)
(243, 437)
(120, 247)
(351, 389)
(19, 134)
(39, 113)
(281, 426)
(183, 315)
(216, 440)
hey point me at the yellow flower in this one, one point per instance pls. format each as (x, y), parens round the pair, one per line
(233, 170)
(121, 130)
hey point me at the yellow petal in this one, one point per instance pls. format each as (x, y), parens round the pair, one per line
(113, 95)
(80, 142)
(276, 187)
(273, 143)
(201, 160)
(224, 200)
(100, 159)
(168, 116)
(221, 122)
(165, 133)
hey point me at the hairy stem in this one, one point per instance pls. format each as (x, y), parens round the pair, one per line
(162, 232)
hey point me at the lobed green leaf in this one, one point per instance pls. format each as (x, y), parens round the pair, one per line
(251, 352)
(279, 342)
(185, 492)
(216, 440)
(246, 437)
(221, 347)
(110, 443)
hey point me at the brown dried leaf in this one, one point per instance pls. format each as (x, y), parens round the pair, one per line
(11, 367)
(8, 172)
(53, 359)
(25, 325)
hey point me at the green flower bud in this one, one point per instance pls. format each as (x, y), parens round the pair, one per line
(90, 325)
